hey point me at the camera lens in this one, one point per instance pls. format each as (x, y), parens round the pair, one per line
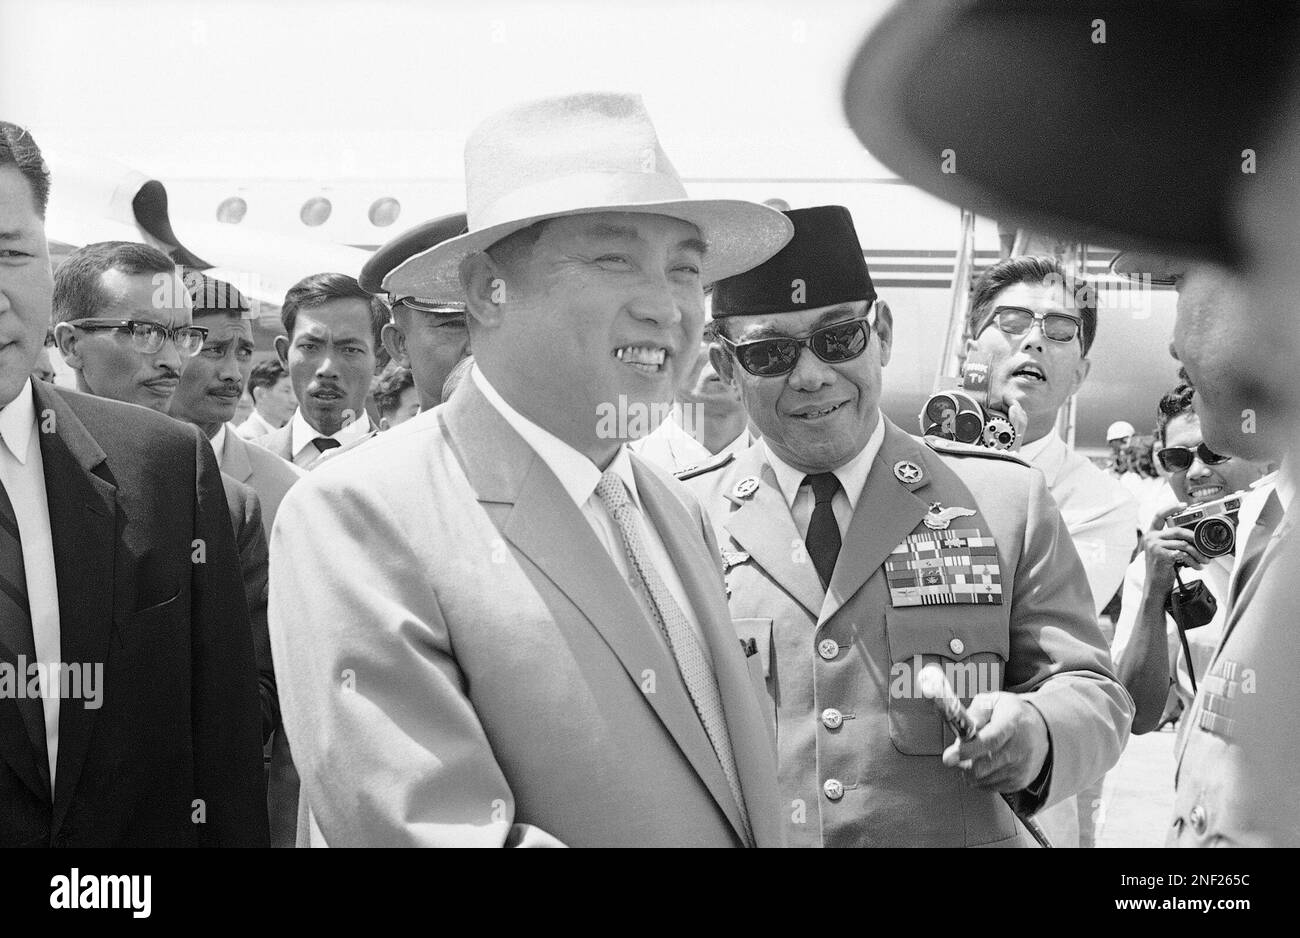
(1214, 537)
(970, 427)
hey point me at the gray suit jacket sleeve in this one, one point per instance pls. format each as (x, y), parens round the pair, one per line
(359, 637)
(1059, 657)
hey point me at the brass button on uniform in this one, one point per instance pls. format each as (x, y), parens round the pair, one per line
(828, 648)
(957, 646)
(834, 789)
(832, 718)
(1198, 819)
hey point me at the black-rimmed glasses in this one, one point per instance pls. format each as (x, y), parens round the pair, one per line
(148, 337)
(1016, 320)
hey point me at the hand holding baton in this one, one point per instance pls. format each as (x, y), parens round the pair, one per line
(935, 688)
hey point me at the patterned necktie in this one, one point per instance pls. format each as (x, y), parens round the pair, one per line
(322, 443)
(823, 539)
(16, 619)
(701, 683)
(1256, 542)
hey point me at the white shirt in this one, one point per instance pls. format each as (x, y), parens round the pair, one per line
(218, 444)
(579, 476)
(1202, 641)
(852, 475)
(1099, 512)
(255, 425)
(672, 449)
(302, 434)
(23, 473)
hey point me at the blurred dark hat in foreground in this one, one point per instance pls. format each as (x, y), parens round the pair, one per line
(1117, 121)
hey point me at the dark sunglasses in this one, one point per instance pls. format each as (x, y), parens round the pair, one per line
(833, 344)
(1179, 458)
(1016, 320)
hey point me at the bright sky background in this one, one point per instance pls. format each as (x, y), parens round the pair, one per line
(389, 88)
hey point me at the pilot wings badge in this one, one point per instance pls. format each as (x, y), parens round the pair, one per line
(938, 518)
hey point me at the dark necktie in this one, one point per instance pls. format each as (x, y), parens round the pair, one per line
(823, 538)
(16, 622)
(322, 443)
(1256, 542)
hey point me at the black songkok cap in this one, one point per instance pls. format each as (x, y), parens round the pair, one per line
(821, 266)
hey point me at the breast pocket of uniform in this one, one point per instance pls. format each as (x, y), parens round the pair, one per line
(971, 644)
(756, 640)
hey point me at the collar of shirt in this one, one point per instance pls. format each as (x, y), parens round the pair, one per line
(302, 433)
(219, 444)
(576, 473)
(17, 421)
(852, 475)
(1043, 454)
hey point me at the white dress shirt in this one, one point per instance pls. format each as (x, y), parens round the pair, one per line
(23, 473)
(254, 425)
(579, 476)
(218, 444)
(302, 434)
(852, 475)
(1099, 511)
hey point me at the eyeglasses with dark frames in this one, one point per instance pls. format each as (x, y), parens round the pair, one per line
(148, 337)
(1017, 321)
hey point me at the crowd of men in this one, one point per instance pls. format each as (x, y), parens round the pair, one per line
(489, 613)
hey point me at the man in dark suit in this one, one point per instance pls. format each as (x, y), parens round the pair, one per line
(123, 319)
(99, 500)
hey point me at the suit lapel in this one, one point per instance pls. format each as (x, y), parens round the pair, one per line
(548, 529)
(763, 526)
(83, 523)
(886, 512)
(702, 581)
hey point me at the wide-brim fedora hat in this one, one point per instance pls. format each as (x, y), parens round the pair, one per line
(1115, 121)
(578, 154)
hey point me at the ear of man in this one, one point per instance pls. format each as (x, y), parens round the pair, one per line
(66, 338)
(720, 359)
(394, 340)
(884, 328)
(282, 350)
(485, 286)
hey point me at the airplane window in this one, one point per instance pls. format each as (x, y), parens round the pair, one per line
(383, 212)
(315, 211)
(232, 210)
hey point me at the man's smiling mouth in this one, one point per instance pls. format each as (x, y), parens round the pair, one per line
(646, 359)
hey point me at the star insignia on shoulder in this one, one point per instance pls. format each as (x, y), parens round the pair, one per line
(908, 472)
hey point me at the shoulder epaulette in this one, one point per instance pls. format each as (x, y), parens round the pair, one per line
(714, 462)
(953, 448)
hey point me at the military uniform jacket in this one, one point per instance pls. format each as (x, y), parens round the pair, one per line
(858, 747)
(1238, 773)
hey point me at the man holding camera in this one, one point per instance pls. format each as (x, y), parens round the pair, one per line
(1149, 654)
(855, 554)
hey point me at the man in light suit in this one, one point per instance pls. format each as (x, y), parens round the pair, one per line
(856, 554)
(495, 625)
(106, 509)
